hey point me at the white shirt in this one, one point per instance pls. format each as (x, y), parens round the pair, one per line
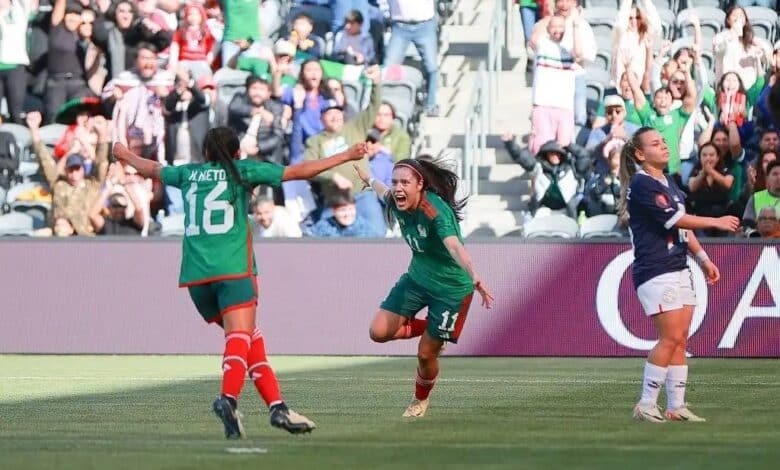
(282, 226)
(412, 10)
(13, 33)
(554, 75)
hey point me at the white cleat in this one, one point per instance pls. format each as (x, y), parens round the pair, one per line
(683, 414)
(417, 408)
(649, 413)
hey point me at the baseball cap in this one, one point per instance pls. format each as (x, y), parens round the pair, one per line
(284, 47)
(614, 100)
(74, 160)
(331, 104)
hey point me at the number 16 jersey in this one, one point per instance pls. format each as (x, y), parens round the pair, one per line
(217, 241)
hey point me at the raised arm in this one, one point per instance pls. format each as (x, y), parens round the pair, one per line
(377, 186)
(48, 165)
(726, 223)
(689, 102)
(462, 257)
(636, 90)
(311, 168)
(144, 167)
(58, 12)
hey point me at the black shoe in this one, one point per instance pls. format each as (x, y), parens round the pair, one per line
(287, 419)
(226, 409)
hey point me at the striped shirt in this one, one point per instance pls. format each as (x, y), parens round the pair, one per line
(554, 75)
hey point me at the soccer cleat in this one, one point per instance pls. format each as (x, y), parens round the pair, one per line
(287, 419)
(649, 413)
(230, 416)
(417, 408)
(683, 414)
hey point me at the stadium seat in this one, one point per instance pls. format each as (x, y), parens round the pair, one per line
(710, 18)
(172, 226)
(354, 93)
(554, 225)
(601, 19)
(704, 3)
(604, 225)
(16, 223)
(603, 59)
(666, 4)
(590, 4)
(668, 22)
(21, 135)
(764, 22)
(52, 133)
(229, 82)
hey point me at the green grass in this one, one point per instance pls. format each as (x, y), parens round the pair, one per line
(154, 412)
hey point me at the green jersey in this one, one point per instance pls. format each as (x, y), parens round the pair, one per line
(670, 126)
(242, 19)
(424, 230)
(217, 235)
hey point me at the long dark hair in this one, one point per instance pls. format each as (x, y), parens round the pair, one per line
(438, 180)
(747, 28)
(628, 164)
(221, 146)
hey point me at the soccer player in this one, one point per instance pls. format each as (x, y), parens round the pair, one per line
(218, 265)
(661, 235)
(441, 275)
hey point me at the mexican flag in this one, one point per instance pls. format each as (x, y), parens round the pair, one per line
(343, 72)
(262, 69)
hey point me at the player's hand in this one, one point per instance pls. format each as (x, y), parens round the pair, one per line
(727, 223)
(122, 153)
(362, 175)
(487, 297)
(357, 151)
(711, 271)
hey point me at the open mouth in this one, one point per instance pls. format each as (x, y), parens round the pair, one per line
(400, 199)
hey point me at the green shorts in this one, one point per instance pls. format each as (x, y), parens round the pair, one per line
(446, 316)
(215, 299)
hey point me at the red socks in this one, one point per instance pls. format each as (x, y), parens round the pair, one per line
(415, 327)
(261, 373)
(423, 386)
(234, 363)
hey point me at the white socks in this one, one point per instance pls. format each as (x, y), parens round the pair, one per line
(651, 384)
(676, 378)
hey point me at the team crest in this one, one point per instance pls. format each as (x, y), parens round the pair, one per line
(662, 201)
(421, 230)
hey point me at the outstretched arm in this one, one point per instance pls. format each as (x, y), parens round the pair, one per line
(377, 186)
(311, 168)
(145, 168)
(462, 257)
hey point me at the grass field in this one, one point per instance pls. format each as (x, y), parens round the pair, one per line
(154, 412)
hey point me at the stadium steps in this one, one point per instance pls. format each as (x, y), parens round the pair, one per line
(503, 186)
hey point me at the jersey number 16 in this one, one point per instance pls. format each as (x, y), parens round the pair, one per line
(210, 206)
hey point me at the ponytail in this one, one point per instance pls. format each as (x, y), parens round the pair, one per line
(221, 146)
(438, 180)
(628, 165)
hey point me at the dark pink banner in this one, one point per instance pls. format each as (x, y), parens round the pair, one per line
(552, 299)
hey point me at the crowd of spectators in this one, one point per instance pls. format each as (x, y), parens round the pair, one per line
(147, 73)
(705, 85)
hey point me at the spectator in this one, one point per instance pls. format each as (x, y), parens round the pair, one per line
(73, 193)
(270, 64)
(63, 228)
(587, 43)
(710, 185)
(309, 45)
(552, 116)
(193, 44)
(143, 71)
(555, 172)
(770, 197)
(392, 138)
(94, 58)
(351, 46)
(187, 120)
(258, 120)
(242, 26)
(307, 118)
(117, 214)
(531, 11)
(756, 180)
(729, 144)
(65, 68)
(634, 29)
(768, 222)
(335, 90)
(338, 136)
(346, 221)
(624, 91)
(660, 115)
(602, 190)
(763, 115)
(14, 15)
(616, 127)
(124, 33)
(272, 221)
(341, 8)
(737, 49)
(415, 21)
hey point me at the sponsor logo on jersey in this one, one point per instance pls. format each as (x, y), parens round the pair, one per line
(661, 200)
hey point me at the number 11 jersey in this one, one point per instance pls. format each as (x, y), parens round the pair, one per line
(217, 241)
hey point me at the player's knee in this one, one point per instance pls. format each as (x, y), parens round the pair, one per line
(427, 355)
(378, 335)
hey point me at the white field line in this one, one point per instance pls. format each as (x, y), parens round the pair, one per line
(496, 380)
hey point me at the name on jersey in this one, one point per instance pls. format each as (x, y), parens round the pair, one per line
(208, 175)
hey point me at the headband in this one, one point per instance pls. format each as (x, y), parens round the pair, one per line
(411, 167)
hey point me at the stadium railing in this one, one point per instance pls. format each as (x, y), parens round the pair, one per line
(475, 131)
